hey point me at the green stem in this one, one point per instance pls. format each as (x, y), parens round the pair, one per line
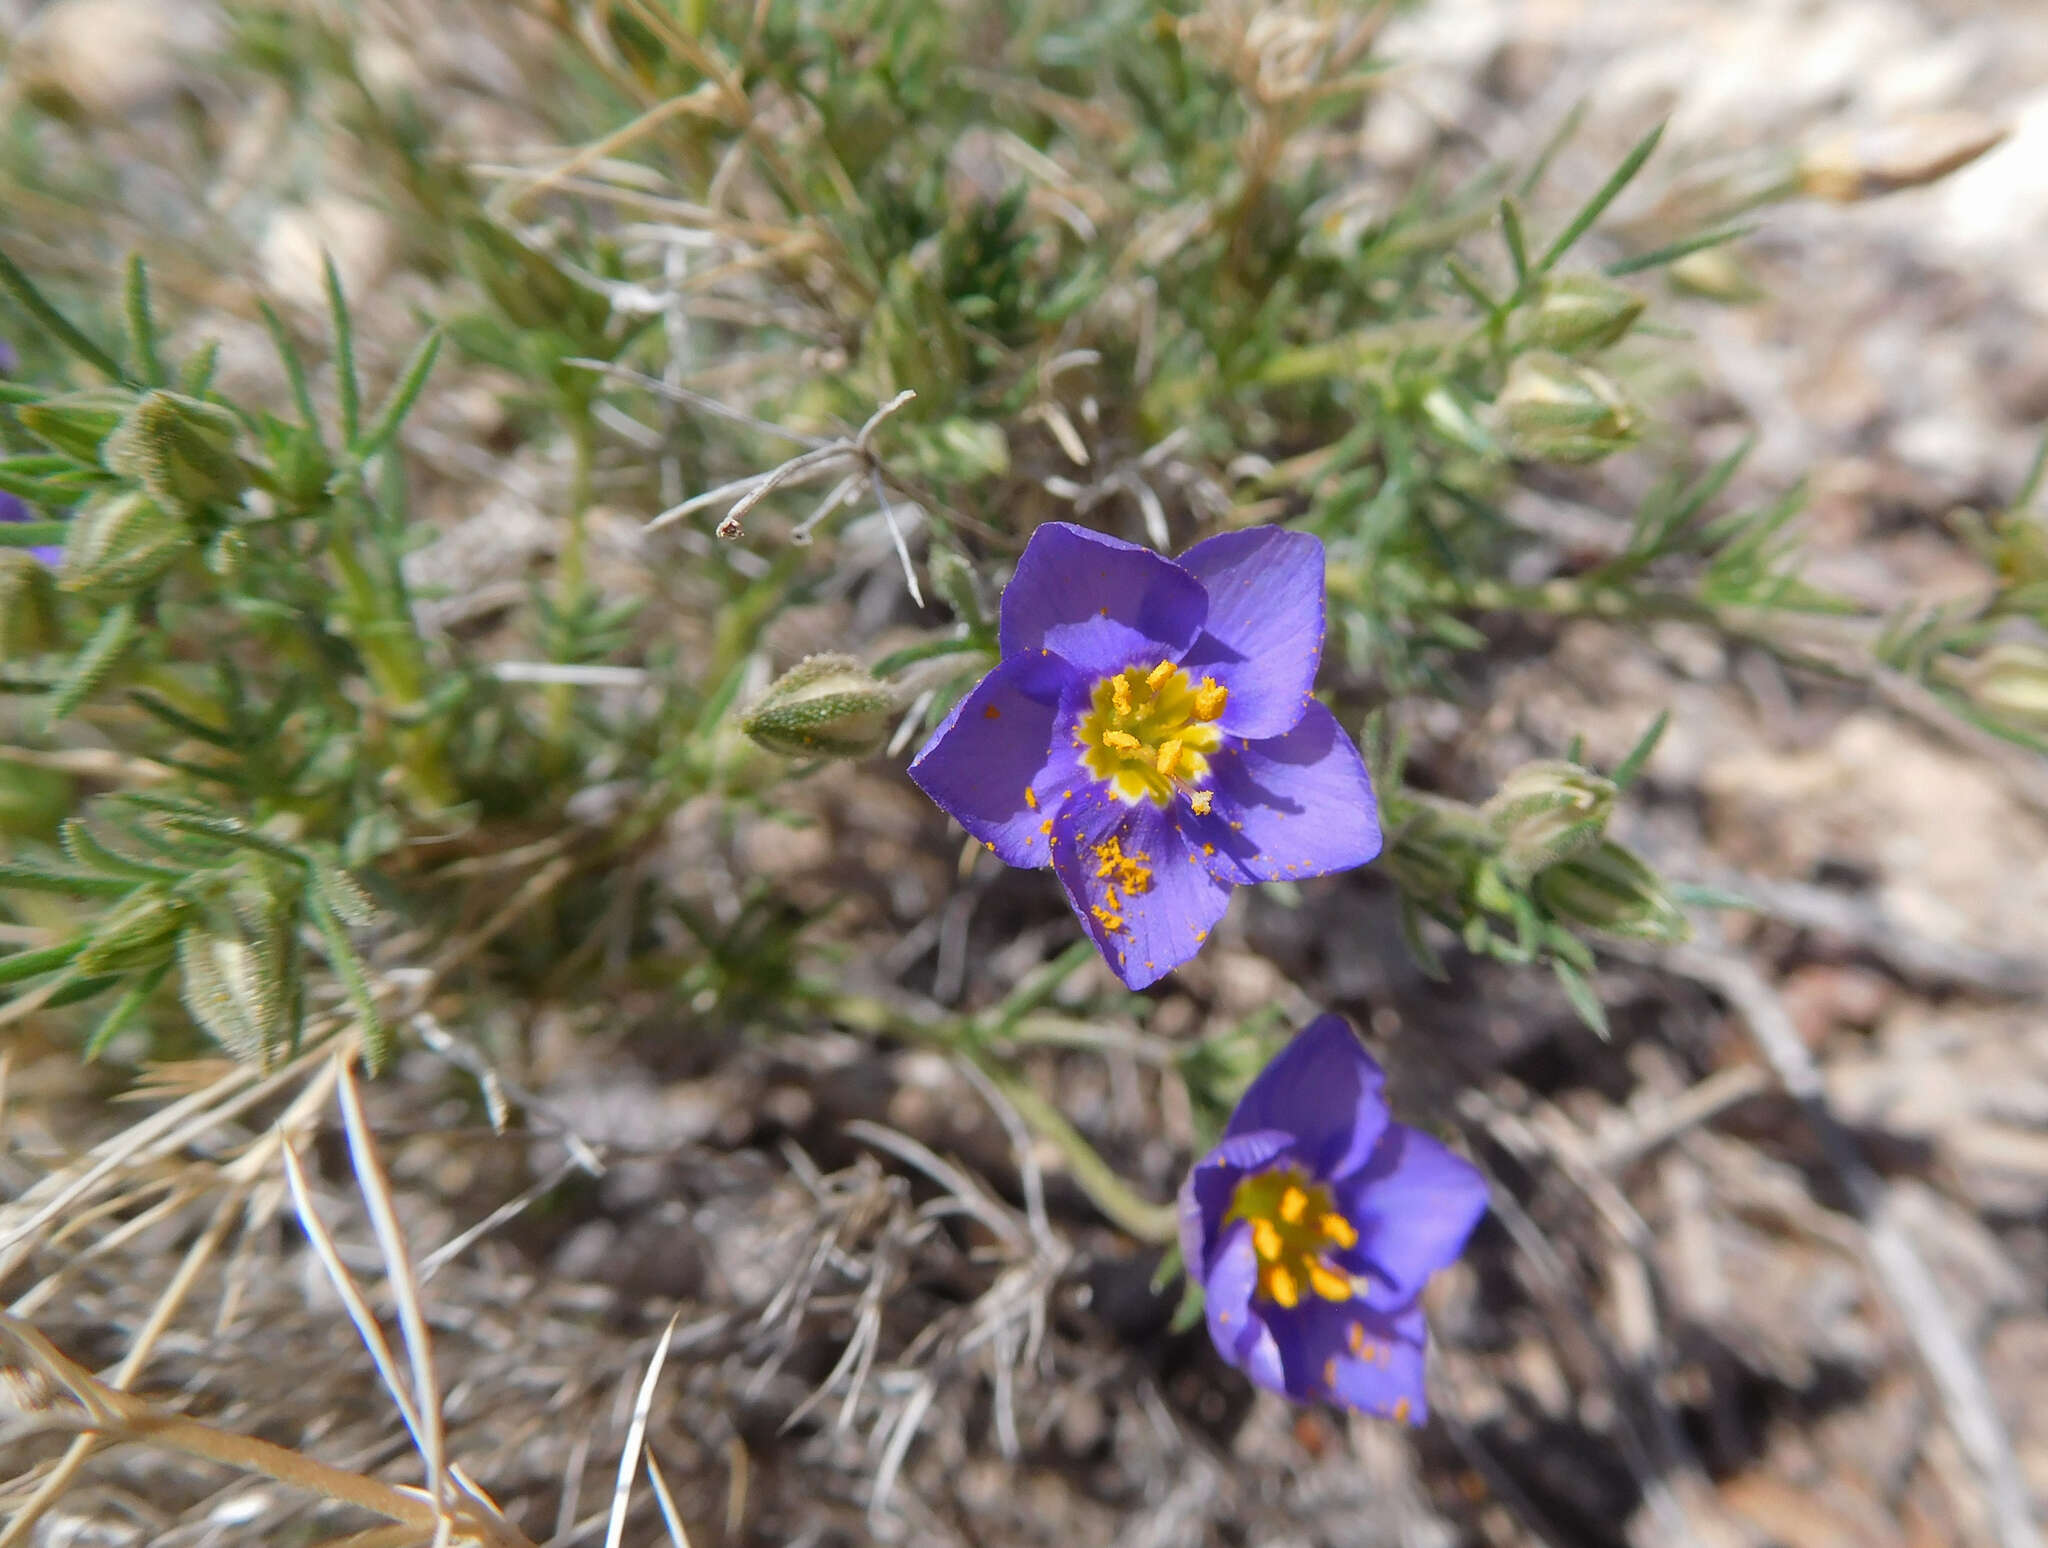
(383, 631)
(1147, 1221)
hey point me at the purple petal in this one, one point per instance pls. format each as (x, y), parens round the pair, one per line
(1143, 933)
(1414, 1204)
(1344, 1352)
(1240, 1334)
(998, 743)
(1324, 1089)
(1263, 637)
(1099, 602)
(1292, 806)
(1205, 1197)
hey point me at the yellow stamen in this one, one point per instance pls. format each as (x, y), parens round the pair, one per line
(1293, 1228)
(1169, 755)
(1210, 699)
(1120, 692)
(1111, 921)
(1329, 1284)
(1122, 741)
(1030, 798)
(1158, 675)
(1401, 1409)
(1199, 802)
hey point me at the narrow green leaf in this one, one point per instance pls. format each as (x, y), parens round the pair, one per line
(1560, 138)
(1626, 771)
(348, 967)
(79, 884)
(1596, 206)
(195, 376)
(2031, 484)
(1580, 993)
(55, 322)
(33, 964)
(162, 708)
(294, 367)
(123, 1012)
(1518, 244)
(92, 665)
(85, 849)
(1684, 247)
(403, 396)
(347, 390)
(1467, 281)
(141, 325)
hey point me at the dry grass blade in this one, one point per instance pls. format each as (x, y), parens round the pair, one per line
(670, 1517)
(405, 1292)
(1951, 1364)
(636, 1438)
(352, 1298)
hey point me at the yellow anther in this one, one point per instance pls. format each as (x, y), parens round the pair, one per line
(1111, 921)
(1109, 897)
(1210, 699)
(1294, 1226)
(1266, 1240)
(1169, 755)
(1122, 741)
(1158, 675)
(1401, 1410)
(1354, 1336)
(1199, 801)
(1120, 692)
(1329, 1284)
(1030, 798)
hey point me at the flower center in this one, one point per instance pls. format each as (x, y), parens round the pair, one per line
(1148, 734)
(1294, 1222)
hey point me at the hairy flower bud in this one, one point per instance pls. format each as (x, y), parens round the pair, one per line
(1581, 314)
(179, 449)
(1549, 811)
(2011, 681)
(75, 423)
(823, 707)
(121, 542)
(28, 605)
(1553, 410)
(1610, 890)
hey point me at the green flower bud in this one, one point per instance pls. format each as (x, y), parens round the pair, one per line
(75, 423)
(1580, 314)
(120, 543)
(2011, 681)
(179, 449)
(28, 605)
(1610, 890)
(823, 707)
(1546, 812)
(953, 578)
(231, 978)
(1553, 410)
(135, 933)
(1715, 274)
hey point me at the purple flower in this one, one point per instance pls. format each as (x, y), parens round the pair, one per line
(1313, 1226)
(12, 509)
(1149, 733)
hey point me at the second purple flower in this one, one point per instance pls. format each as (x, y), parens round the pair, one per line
(1150, 733)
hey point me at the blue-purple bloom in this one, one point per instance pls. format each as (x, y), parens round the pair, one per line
(1313, 1226)
(1149, 733)
(13, 509)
